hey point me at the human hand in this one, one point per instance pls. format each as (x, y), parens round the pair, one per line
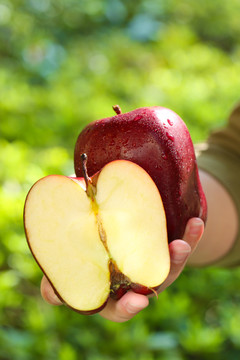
(131, 303)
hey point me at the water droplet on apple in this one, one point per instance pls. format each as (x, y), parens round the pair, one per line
(164, 156)
(170, 137)
(138, 117)
(170, 122)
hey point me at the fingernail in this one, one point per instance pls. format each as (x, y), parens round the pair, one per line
(180, 257)
(54, 299)
(133, 309)
(195, 227)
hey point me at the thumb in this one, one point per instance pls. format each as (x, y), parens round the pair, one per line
(48, 293)
(125, 308)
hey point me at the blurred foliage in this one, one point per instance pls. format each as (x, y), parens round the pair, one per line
(63, 64)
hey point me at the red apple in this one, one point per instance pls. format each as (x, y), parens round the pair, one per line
(158, 140)
(98, 237)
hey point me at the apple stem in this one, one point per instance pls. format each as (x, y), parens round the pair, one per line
(117, 109)
(87, 179)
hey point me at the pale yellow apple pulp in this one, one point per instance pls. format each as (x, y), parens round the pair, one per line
(62, 228)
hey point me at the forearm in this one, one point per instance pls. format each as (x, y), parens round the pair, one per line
(222, 224)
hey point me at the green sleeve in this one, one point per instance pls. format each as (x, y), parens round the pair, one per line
(221, 159)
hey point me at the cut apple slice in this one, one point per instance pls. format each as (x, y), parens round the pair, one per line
(133, 218)
(63, 237)
(99, 243)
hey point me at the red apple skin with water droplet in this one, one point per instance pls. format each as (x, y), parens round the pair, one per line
(157, 139)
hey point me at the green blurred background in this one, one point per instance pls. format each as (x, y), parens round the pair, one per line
(63, 64)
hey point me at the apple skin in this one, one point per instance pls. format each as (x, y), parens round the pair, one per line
(157, 139)
(137, 288)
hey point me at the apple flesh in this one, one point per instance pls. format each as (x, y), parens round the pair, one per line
(98, 237)
(158, 140)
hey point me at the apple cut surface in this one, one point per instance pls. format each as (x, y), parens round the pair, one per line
(59, 222)
(98, 243)
(133, 218)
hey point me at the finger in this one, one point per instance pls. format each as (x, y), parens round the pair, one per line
(48, 293)
(125, 308)
(179, 253)
(194, 231)
(180, 250)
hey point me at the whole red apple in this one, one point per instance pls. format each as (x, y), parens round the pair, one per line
(157, 139)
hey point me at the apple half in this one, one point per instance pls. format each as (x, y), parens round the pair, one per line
(98, 237)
